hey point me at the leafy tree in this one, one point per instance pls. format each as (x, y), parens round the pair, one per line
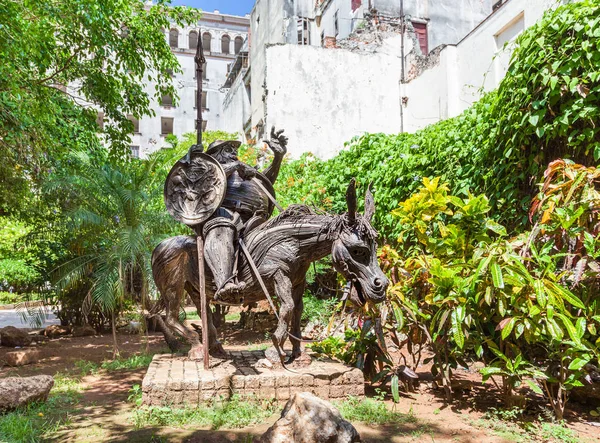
(64, 59)
(18, 263)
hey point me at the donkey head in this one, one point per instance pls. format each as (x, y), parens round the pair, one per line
(354, 252)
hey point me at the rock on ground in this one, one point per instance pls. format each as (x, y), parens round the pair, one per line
(12, 337)
(54, 331)
(309, 419)
(83, 331)
(23, 357)
(19, 391)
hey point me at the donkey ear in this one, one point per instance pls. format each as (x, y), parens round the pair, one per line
(351, 200)
(369, 204)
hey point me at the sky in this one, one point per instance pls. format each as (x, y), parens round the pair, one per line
(233, 7)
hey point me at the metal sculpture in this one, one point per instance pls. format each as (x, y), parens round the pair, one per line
(280, 252)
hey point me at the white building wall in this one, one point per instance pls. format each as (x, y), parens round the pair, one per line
(477, 64)
(267, 27)
(236, 108)
(324, 97)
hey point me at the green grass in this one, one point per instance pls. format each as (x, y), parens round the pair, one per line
(85, 367)
(234, 413)
(317, 310)
(528, 432)
(233, 317)
(372, 412)
(131, 362)
(192, 315)
(9, 298)
(258, 347)
(35, 422)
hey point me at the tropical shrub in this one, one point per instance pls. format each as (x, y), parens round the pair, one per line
(526, 305)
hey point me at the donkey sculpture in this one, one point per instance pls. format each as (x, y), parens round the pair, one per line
(282, 250)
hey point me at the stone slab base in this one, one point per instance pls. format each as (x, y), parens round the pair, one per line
(176, 381)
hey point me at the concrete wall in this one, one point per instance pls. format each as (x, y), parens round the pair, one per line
(275, 22)
(448, 21)
(237, 107)
(477, 63)
(267, 27)
(324, 97)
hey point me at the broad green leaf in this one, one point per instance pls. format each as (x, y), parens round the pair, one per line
(571, 330)
(540, 293)
(580, 327)
(497, 275)
(507, 329)
(458, 334)
(534, 387)
(577, 364)
(395, 390)
(566, 294)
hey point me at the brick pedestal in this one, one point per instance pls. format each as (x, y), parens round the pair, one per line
(176, 381)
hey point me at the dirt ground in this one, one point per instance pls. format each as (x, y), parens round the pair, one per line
(104, 414)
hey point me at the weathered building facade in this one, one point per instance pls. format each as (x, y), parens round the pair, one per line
(300, 72)
(222, 37)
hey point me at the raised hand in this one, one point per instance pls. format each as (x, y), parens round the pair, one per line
(278, 142)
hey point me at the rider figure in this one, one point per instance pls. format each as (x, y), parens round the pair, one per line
(244, 199)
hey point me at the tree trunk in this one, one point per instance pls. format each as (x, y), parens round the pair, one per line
(114, 334)
(144, 322)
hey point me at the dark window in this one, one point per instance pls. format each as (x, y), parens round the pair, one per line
(323, 38)
(166, 125)
(193, 40)
(239, 42)
(135, 151)
(135, 122)
(336, 23)
(225, 42)
(204, 122)
(167, 100)
(174, 38)
(204, 100)
(206, 42)
(303, 31)
(421, 33)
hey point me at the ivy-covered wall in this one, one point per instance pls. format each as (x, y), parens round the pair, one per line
(547, 107)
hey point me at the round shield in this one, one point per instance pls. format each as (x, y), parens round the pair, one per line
(195, 188)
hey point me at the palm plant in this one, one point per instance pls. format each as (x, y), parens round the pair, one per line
(115, 227)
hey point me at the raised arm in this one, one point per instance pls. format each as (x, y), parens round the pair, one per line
(278, 144)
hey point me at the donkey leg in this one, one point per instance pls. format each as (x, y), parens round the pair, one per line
(283, 290)
(296, 334)
(172, 320)
(215, 347)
